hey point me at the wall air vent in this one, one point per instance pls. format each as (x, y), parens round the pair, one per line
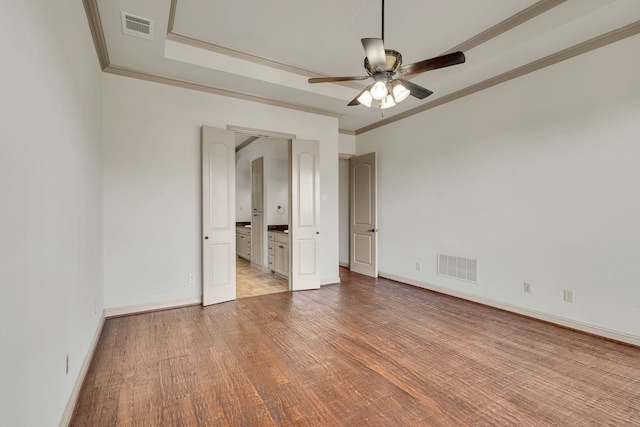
(137, 26)
(458, 268)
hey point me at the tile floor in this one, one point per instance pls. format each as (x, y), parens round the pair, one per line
(251, 282)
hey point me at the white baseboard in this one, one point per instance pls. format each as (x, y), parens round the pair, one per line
(334, 281)
(153, 306)
(344, 264)
(71, 403)
(551, 318)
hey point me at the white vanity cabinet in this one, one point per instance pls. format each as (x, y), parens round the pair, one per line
(243, 242)
(279, 253)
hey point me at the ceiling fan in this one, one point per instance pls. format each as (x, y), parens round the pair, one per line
(385, 67)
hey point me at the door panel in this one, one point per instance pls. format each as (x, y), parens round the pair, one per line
(304, 227)
(257, 239)
(257, 184)
(218, 216)
(363, 215)
(307, 257)
(362, 248)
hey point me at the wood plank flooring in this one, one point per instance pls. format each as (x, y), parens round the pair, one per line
(251, 282)
(364, 353)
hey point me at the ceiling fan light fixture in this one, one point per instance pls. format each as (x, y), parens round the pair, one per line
(379, 90)
(365, 98)
(387, 102)
(400, 93)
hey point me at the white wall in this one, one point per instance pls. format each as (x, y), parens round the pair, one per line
(50, 206)
(275, 154)
(152, 184)
(537, 178)
(347, 144)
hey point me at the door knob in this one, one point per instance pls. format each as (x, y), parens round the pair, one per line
(373, 230)
(206, 237)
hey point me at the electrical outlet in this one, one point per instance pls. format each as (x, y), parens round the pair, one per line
(568, 295)
(418, 266)
(67, 366)
(192, 278)
(527, 288)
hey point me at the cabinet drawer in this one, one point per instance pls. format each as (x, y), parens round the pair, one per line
(281, 237)
(243, 230)
(272, 236)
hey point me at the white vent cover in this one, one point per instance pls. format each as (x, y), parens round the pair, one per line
(458, 268)
(137, 26)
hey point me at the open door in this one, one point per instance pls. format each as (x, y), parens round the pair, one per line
(363, 215)
(304, 227)
(218, 216)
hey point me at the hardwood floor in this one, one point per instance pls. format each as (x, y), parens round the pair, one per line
(251, 282)
(366, 352)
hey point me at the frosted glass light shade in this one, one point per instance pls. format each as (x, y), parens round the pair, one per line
(387, 102)
(379, 91)
(365, 99)
(400, 92)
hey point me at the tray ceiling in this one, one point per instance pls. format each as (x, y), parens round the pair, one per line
(266, 51)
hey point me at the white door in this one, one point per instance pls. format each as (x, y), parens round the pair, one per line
(304, 226)
(218, 216)
(363, 219)
(257, 240)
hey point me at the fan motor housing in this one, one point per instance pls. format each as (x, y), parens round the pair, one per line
(394, 60)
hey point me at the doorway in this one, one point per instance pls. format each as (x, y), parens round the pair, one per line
(358, 214)
(262, 209)
(219, 229)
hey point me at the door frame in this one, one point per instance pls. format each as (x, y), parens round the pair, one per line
(262, 133)
(370, 231)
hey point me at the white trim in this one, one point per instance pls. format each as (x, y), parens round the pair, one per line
(156, 78)
(551, 318)
(261, 133)
(141, 308)
(344, 264)
(334, 281)
(71, 403)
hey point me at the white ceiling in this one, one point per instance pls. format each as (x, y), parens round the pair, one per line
(268, 50)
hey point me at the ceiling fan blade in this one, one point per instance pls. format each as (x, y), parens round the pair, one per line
(432, 64)
(415, 90)
(336, 79)
(355, 101)
(374, 49)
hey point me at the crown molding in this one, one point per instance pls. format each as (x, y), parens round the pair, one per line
(176, 36)
(508, 24)
(579, 49)
(248, 142)
(97, 33)
(346, 132)
(129, 72)
(201, 44)
(172, 16)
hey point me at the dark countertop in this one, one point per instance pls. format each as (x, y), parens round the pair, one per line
(279, 228)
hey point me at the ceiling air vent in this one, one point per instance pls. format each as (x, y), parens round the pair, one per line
(137, 26)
